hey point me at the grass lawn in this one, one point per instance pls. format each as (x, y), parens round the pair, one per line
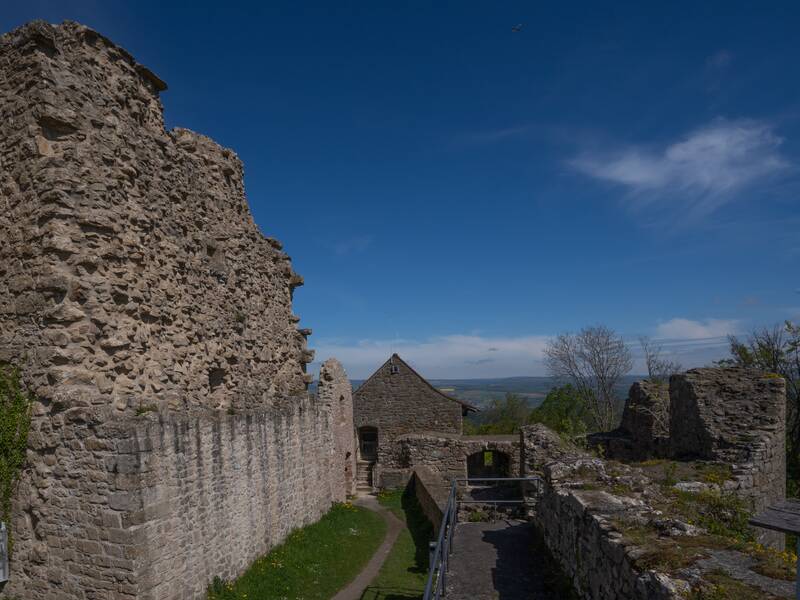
(403, 575)
(313, 563)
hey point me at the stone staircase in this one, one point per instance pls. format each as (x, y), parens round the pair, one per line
(364, 475)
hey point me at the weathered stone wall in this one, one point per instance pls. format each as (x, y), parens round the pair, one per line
(135, 273)
(445, 454)
(154, 507)
(539, 446)
(607, 524)
(135, 282)
(432, 492)
(646, 414)
(336, 392)
(644, 430)
(577, 524)
(578, 528)
(211, 495)
(396, 400)
(737, 416)
(730, 415)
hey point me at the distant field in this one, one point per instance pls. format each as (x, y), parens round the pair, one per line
(480, 392)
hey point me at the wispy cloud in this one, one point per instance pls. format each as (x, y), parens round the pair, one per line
(705, 169)
(453, 356)
(494, 136)
(719, 60)
(687, 329)
(352, 245)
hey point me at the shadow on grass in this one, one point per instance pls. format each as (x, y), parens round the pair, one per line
(420, 528)
(403, 575)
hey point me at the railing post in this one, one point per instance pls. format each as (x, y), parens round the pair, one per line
(4, 569)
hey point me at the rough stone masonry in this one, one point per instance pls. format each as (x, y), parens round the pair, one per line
(173, 439)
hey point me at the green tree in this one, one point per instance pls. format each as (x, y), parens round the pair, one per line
(502, 416)
(563, 411)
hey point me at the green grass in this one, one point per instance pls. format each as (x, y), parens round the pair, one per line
(313, 563)
(403, 575)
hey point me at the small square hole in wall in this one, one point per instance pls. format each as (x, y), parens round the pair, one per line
(395, 369)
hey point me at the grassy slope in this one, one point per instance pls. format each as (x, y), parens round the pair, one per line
(314, 562)
(405, 571)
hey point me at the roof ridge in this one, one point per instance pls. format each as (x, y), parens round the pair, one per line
(396, 356)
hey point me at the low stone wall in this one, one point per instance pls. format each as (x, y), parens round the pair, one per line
(576, 528)
(730, 415)
(432, 492)
(607, 524)
(162, 504)
(446, 454)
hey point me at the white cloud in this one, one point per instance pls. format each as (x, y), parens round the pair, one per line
(707, 167)
(686, 329)
(453, 356)
(692, 343)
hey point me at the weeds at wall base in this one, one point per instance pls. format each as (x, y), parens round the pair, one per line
(15, 423)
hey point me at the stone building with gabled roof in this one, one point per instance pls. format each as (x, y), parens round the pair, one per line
(393, 402)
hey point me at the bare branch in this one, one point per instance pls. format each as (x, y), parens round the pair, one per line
(659, 369)
(594, 360)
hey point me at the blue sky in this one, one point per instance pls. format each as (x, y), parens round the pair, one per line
(458, 192)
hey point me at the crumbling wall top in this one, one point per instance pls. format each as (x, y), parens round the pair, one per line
(138, 279)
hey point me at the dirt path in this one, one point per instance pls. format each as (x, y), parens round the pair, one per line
(355, 588)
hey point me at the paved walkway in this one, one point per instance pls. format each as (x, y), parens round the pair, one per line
(494, 561)
(355, 588)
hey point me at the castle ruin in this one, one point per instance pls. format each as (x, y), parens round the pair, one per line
(173, 437)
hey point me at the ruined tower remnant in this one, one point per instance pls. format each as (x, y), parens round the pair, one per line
(736, 416)
(152, 321)
(132, 261)
(336, 392)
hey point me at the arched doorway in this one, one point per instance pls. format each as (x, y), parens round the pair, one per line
(368, 443)
(488, 463)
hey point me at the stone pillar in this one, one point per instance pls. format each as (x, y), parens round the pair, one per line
(336, 391)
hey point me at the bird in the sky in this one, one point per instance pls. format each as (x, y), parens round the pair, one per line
(517, 28)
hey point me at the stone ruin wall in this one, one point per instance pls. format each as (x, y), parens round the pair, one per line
(336, 392)
(135, 273)
(432, 492)
(586, 508)
(736, 416)
(152, 321)
(202, 497)
(444, 454)
(731, 415)
(576, 524)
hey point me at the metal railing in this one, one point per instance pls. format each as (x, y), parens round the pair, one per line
(440, 550)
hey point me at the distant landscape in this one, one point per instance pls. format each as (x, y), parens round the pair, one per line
(480, 392)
